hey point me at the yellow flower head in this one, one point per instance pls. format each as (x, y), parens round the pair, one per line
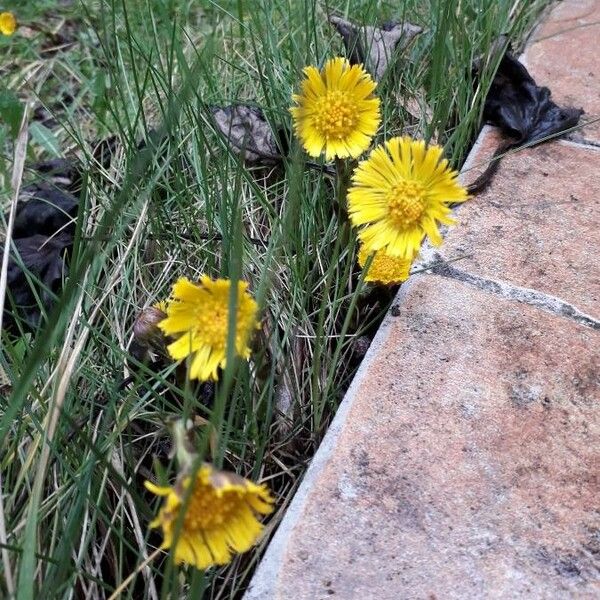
(220, 516)
(337, 111)
(400, 193)
(161, 305)
(200, 313)
(8, 23)
(385, 269)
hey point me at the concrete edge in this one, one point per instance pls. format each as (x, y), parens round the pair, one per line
(428, 252)
(263, 582)
(470, 160)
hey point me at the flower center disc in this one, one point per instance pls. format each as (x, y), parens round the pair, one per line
(211, 326)
(206, 509)
(336, 115)
(406, 202)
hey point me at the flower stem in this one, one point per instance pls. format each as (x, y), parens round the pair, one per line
(342, 182)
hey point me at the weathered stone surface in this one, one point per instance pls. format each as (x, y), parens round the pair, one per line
(537, 225)
(564, 55)
(464, 462)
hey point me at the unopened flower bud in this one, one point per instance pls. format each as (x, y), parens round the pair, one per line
(146, 331)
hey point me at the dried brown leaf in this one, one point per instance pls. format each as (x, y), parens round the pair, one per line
(375, 47)
(247, 132)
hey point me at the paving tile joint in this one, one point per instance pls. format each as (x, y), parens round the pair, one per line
(506, 290)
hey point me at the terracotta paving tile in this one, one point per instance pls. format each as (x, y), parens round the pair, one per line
(465, 464)
(565, 56)
(537, 225)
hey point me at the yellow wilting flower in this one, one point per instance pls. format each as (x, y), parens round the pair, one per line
(384, 268)
(8, 23)
(220, 516)
(400, 193)
(337, 111)
(200, 312)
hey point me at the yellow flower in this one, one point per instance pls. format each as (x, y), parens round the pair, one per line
(220, 516)
(384, 268)
(161, 305)
(400, 193)
(337, 111)
(200, 312)
(8, 23)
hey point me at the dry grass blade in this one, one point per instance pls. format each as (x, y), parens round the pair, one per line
(147, 572)
(143, 565)
(17, 178)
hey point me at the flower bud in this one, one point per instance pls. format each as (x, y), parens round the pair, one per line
(146, 331)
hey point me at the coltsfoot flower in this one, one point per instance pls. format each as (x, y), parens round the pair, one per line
(220, 516)
(199, 314)
(336, 110)
(8, 23)
(400, 194)
(385, 269)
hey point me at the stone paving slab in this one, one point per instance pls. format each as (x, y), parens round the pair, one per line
(464, 464)
(537, 225)
(563, 55)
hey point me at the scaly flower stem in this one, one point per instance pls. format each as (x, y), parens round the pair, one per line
(342, 183)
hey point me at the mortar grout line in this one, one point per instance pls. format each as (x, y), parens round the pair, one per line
(509, 291)
(585, 144)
